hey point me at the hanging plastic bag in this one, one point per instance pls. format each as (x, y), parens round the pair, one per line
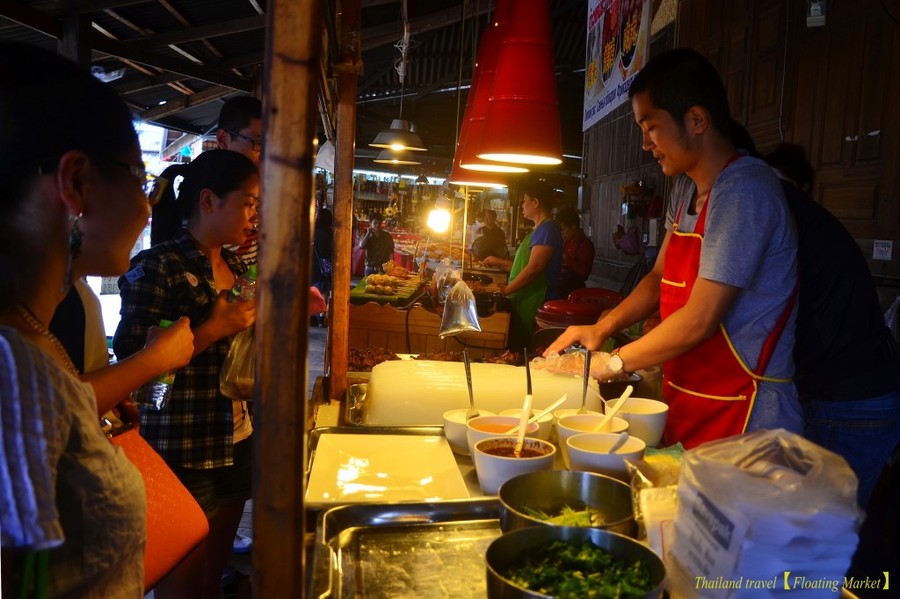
(238, 372)
(445, 277)
(460, 312)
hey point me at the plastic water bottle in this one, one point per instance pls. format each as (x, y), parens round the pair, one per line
(157, 392)
(245, 286)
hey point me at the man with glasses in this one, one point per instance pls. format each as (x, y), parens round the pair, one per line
(240, 130)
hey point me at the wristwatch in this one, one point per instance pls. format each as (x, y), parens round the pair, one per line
(616, 365)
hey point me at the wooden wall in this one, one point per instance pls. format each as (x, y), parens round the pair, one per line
(832, 89)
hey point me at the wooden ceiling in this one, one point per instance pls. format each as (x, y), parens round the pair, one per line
(175, 61)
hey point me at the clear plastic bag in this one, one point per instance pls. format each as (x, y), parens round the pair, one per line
(445, 277)
(572, 362)
(762, 506)
(238, 372)
(460, 312)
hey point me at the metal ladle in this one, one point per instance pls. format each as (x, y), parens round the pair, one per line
(471, 412)
(587, 378)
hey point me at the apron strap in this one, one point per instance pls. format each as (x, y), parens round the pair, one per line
(768, 348)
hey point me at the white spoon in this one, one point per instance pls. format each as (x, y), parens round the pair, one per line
(612, 411)
(540, 415)
(623, 436)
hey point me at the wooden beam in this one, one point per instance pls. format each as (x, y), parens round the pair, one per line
(290, 93)
(51, 26)
(75, 41)
(202, 32)
(382, 35)
(31, 17)
(136, 84)
(348, 69)
(210, 94)
(127, 51)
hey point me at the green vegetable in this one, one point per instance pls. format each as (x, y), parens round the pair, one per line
(580, 571)
(569, 516)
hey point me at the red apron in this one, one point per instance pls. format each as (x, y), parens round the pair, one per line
(709, 389)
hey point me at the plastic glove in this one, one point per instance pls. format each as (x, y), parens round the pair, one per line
(573, 363)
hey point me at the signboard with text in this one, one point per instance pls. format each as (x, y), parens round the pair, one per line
(618, 45)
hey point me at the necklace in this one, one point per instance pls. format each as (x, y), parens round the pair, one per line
(32, 321)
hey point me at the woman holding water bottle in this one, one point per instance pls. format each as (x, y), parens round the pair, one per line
(204, 436)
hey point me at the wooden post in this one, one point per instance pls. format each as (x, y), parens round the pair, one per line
(282, 328)
(348, 71)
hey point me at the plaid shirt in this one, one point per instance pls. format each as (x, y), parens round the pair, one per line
(168, 281)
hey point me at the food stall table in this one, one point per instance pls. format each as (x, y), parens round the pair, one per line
(416, 331)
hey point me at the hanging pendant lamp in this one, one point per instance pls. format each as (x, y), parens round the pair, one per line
(472, 129)
(396, 157)
(522, 122)
(399, 136)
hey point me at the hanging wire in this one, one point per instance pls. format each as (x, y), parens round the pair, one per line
(402, 63)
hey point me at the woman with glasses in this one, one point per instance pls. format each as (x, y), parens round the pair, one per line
(204, 436)
(73, 508)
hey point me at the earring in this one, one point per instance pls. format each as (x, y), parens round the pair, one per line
(75, 239)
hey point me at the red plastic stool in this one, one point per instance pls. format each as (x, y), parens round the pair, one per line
(595, 295)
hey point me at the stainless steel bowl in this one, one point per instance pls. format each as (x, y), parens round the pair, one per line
(513, 547)
(552, 490)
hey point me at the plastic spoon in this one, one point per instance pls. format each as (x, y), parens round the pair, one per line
(611, 411)
(523, 426)
(623, 436)
(540, 414)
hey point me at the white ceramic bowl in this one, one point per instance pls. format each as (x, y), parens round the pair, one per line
(646, 419)
(482, 427)
(575, 424)
(562, 413)
(545, 424)
(455, 429)
(589, 452)
(494, 470)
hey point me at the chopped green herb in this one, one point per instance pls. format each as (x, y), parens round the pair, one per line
(581, 571)
(569, 516)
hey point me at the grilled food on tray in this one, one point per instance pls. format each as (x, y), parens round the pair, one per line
(362, 360)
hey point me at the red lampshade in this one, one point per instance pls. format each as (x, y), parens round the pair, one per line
(522, 120)
(472, 128)
(474, 178)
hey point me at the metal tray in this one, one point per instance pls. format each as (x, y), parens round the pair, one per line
(413, 550)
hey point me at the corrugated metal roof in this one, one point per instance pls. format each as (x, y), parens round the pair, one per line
(217, 46)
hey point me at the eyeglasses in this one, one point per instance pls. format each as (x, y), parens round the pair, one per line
(139, 172)
(256, 144)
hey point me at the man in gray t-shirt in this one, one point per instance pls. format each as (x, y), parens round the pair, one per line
(725, 280)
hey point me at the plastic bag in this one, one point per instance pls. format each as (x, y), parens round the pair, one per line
(768, 505)
(460, 312)
(572, 362)
(654, 494)
(445, 277)
(238, 372)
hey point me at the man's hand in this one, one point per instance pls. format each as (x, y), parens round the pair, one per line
(232, 317)
(590, 336)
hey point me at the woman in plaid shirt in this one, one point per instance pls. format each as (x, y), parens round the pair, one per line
(203, 435)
